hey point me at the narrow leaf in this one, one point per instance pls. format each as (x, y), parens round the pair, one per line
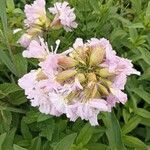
(113, 131)
(20, 64)
(8, 142)
(134, 142)
(131, 124)
(4, 58)
(2, 138)
(85, 135)
(66, 142)
(36, 144)
(16, 147)
(143, 94)
(143, 113)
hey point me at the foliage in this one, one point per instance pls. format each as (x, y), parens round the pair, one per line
(126, 23)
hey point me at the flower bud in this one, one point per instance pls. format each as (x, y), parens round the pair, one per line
(33, 31)
(106, 82)
(56, 24)
(65, 75)
(79, 56)
(97, 95)
(48, 23)
(91, 77)
(41, 21)
(71, 96)
(104, 73)
(103, 90)
(94, 91)
(67, 62)
(41, 75)
(97, 56)
(81, 77)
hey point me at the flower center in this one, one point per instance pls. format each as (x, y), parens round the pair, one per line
(83, 64)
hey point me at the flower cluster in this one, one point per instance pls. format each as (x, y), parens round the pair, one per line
(38, 21)
(80, 82)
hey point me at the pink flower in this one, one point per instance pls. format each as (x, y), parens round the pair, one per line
(87, 111)
(28, 81)
(63, 14)
(81, 82)
(38, 91)
(50, 64)
(36, 49)
(25, 40)
(35, 13)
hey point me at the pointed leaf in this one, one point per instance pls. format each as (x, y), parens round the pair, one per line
(66, 142)
(113, 131)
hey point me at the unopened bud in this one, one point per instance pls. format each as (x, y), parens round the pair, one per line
(81, 77)
(67, 62)
(65, 75)
(103, 90)
(41, 21)
(79, 55)
(48, 23)
(107, 82)
(97, 95)
(41, 75)
(71, 96)
(91, 77)
(33, 31)
(104, 73)
(56, 24)
(94, 91)
(97, 56)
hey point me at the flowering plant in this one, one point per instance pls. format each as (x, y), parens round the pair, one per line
(79, 82)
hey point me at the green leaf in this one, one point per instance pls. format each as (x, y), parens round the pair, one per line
(31, 116)
(17, 98)
(36, 144)
(97, 146)
(7, 88)
(134, 142)
(43, 117)
(113, 131)
(142, 112)
(12, 109)
(3, 16)
(16, 147)
(136, 25)
(8, 142)
(145, 122)
(146, 75)
(136, 5)
(147, 137)
(145, 55)
(148, 11)
(143, 94)
(7, 61)
(131, 124)
(10, 5)
(94, 4)
(84, 135)
(25, 131)
(20, 64)
(6, 120)
(126, 115)
(66, 142)
(48, 130)
(2, 138)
